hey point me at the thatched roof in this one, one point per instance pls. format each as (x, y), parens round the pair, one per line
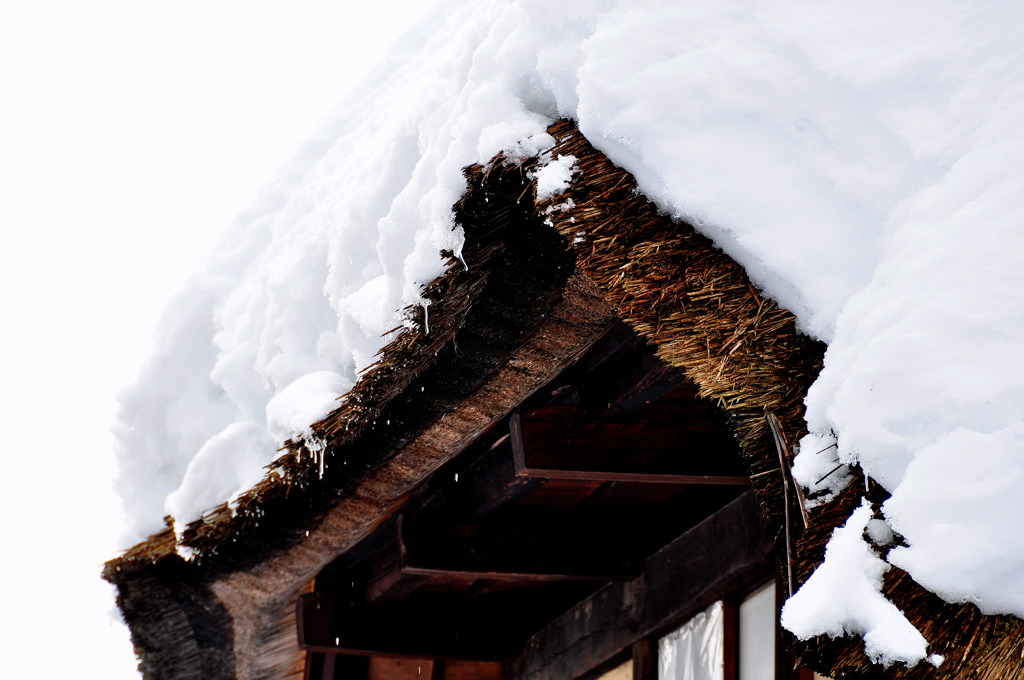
(699, 309)
(527, 302)
(500, 327)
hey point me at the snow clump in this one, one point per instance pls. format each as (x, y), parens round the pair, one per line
(844, 597)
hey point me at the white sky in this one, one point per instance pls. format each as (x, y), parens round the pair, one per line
(130, 134)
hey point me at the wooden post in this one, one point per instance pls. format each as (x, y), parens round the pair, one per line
(645, 660)
(730, 639)
(328, 673)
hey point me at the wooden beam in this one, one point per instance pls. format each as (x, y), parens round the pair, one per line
(537, 553)
(725, 553)
(489, 483)
(464, 493)
(382, 668)
(407, 632)
(471, 626)
(557, 442)
(618, 377)
(327, 666)
(437, 573)
(396, 585)
(471, 670)
(628, 382)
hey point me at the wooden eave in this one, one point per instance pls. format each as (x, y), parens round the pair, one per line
(487, 553)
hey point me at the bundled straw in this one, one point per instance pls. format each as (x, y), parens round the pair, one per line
(697, 306)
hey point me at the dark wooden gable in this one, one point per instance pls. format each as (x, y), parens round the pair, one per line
(605, 478)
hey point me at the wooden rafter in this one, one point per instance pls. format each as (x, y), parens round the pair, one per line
(557, 443)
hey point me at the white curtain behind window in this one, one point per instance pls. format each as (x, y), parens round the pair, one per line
(695, 651)
(758, 617)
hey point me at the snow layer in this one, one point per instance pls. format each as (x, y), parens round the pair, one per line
(843, 596)
(862, 161)
(554, 177)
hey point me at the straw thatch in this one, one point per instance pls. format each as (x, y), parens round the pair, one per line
(503, 320)
(695, 304)
(698, 307)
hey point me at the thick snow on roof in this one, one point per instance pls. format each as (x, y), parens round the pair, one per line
(863, 162)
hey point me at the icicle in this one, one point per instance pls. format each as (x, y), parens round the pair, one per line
(318, 450)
